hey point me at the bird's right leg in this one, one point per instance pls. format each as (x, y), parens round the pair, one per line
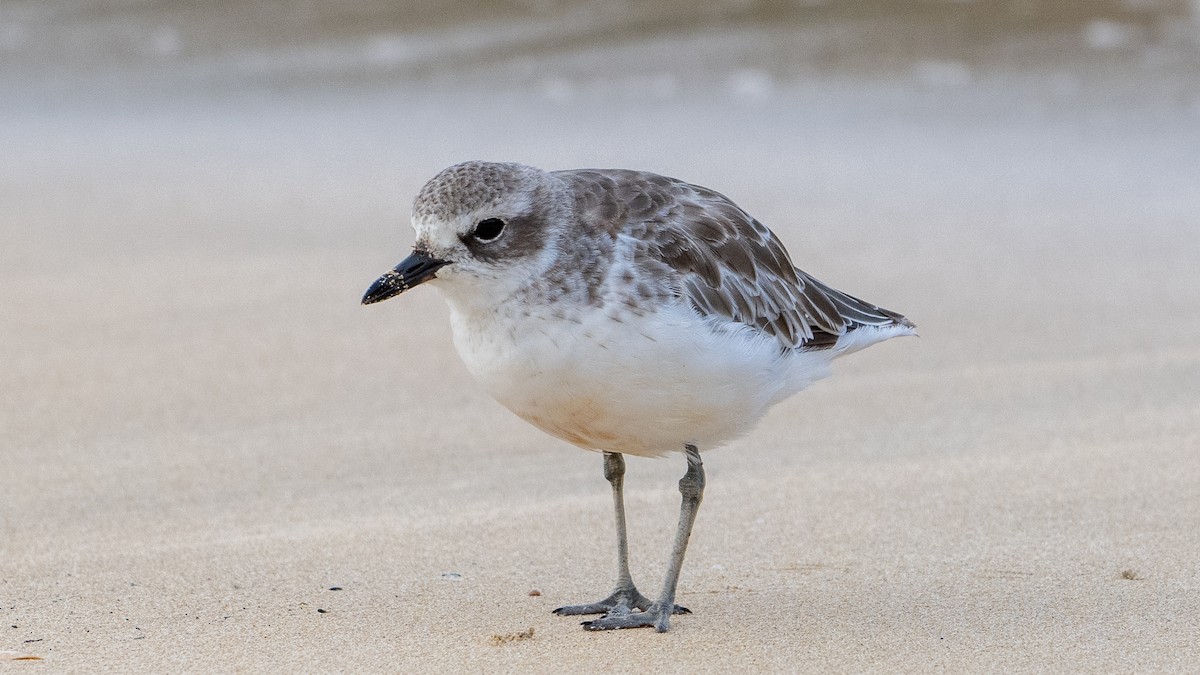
(625, 597)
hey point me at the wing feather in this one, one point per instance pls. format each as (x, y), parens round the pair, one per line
(721, 260)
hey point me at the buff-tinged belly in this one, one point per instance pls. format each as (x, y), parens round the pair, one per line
(645, 389)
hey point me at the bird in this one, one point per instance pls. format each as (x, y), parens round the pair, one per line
(626, 313)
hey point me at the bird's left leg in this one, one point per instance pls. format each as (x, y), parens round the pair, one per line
(625, 597)
(691, 488)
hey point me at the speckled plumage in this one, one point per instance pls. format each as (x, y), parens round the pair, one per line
(677, 240)
(692, 242)
(623, 311)
(628, 313)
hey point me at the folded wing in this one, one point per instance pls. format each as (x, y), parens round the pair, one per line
(725, 262)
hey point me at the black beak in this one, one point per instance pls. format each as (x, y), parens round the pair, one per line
(415, 269)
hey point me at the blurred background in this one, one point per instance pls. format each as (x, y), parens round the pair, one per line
(561, 50)
(194, 196)
(193, 406)
(132, 124)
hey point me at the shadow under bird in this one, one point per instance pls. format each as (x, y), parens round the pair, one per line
(627, 313)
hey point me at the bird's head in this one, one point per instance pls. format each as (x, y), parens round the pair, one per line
(483, 230)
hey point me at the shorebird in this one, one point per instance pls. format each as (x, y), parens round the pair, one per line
(625, 312)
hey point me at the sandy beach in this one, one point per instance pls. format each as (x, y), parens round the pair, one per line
(213, 459)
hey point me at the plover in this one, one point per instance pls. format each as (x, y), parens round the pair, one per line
(625, 312)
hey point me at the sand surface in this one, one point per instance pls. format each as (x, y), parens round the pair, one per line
(202, 434)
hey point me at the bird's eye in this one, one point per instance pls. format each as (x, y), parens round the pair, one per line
(488, 229)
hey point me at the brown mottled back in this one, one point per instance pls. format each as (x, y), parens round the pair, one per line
(723, 261)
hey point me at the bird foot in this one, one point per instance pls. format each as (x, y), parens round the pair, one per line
(626, 598)
(623, 618)
(622, 601)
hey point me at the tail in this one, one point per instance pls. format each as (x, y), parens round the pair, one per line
(862, 337)
(862, 324)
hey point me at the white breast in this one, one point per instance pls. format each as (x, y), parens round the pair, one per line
(616, 381)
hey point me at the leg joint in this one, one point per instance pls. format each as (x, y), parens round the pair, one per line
(691, 486)
(614, 466)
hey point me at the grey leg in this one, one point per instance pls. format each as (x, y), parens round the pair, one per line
(625, 597)
(691, 488)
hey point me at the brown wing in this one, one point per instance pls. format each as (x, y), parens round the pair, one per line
(722, 260)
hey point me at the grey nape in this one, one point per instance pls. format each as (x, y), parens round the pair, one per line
(626, 607)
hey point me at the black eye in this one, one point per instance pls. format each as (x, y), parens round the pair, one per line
(488, 229)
